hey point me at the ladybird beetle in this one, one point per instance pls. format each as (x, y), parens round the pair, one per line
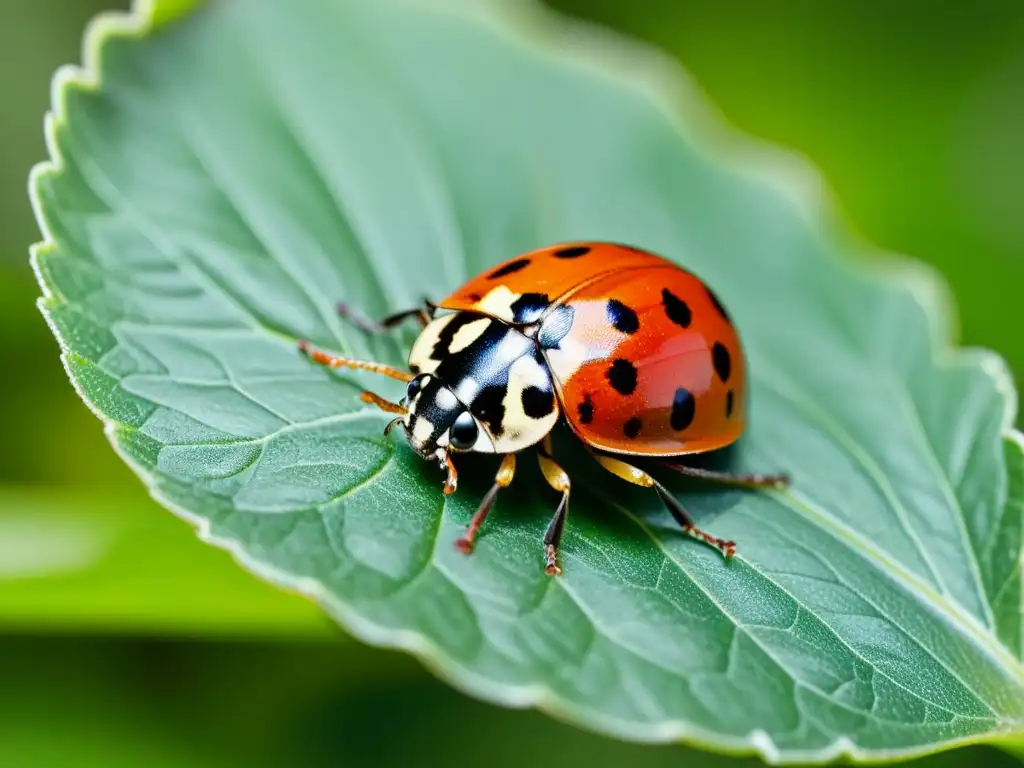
(637, 354)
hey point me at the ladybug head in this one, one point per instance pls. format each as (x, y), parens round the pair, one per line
(437, 422)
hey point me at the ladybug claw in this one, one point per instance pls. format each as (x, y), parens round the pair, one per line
(552, 568)
(464, 544)
(727, 548)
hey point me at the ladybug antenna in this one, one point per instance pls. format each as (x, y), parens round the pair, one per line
(385, 405)
(333, 361)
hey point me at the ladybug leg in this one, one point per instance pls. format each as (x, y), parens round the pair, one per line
(559, 480)
(750, 481)
(631, 474)
(422, 314)
(503, 479)
(333, 361)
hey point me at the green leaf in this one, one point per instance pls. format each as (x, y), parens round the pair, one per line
(236, 172)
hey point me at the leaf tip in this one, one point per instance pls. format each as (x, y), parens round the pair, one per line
(159, 13)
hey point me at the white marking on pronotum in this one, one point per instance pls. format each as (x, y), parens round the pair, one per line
(518, 429)
(467, 389)
(468, 333)
(498, 302)
(422, 349)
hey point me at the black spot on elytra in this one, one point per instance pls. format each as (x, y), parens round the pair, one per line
(676, 309)
(537, 402)
(721, 360)
(684, 407)
(717, 303)
(508, 269)
(622, 317)
(573, 252)
(632, 427)
(489, 407)
(728, 403)
(473, 296)
(586, 410)
(529, 307)
(622, 376)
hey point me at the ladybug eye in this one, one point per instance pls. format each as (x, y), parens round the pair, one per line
(413, 389)
(463, 433)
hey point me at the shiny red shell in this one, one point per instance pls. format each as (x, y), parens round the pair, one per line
(651, 364)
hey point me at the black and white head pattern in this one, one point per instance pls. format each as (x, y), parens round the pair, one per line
(471, 361)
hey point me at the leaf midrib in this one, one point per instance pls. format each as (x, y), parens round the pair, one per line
(740, 627)
(946, 488)
(955, 615)
(669, 556)
(868, 464)
(953, 611)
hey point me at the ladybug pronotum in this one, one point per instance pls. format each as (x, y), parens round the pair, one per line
(636, 354)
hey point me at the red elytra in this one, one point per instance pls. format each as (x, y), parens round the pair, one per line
(637, 355)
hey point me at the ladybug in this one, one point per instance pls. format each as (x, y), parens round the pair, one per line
(635, 353)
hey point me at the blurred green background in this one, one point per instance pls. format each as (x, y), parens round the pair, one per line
(125, 641)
